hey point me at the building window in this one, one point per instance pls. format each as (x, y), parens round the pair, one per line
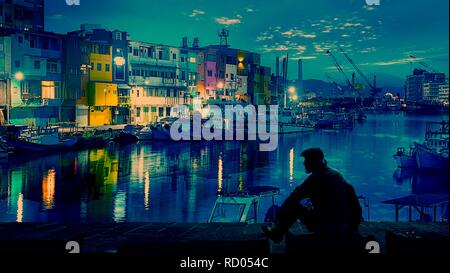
(182, 59)
(20, 39)
(210, 73)
(161, 111)
(107, 67)
(160, 55)
(138, 111)
(174, 56)
(192, 59)
(37, 64)
(118, 36)
(52, 67)
(92, 66)
(99, 67)
(17, 64)
(48, 89)
(168, 111)
(135, 52)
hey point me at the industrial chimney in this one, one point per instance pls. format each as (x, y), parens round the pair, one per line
(196, 43)
(184, 42)
(277, 65)
(300, 75)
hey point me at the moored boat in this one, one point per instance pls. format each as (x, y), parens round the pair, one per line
(405, 159)
(433, 154)
(34, 140)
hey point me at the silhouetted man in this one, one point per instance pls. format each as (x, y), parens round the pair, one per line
(325, 203)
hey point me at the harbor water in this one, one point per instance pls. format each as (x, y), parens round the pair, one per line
(178, 182)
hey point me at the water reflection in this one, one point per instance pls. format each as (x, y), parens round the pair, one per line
(179, 181)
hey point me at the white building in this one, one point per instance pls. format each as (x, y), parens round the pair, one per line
(157, 81)
(431, 91)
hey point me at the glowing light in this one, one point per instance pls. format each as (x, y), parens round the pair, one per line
(119, 61)
(292, 90)
(220, 174)
(19, 76)
(120, 204)
(48, 189)
(19, 217)
(147, 82)
(147, 191)
(291, 165)
(220, 85)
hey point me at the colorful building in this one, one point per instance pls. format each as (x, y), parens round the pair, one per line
(31, 78)
(95, 67)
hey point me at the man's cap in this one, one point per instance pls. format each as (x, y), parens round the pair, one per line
(314, 154)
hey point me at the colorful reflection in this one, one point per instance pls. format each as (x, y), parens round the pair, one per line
(178, 182)
(48, 189)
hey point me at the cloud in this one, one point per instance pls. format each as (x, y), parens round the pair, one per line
(399, 61)
(228, 21)
(298, 33)
(264, 37)
(352, 24)
(196, 12)
(303, 58)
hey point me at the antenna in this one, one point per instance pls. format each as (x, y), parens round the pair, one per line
(223, 35)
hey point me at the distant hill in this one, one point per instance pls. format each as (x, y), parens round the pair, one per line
(386, 81)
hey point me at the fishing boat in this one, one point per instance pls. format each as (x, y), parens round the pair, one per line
(288, 123)
(242, 206)
(406, 159)
(39, 140)
(145, 134)
(433, 152)
(332, 120)
(94, 139)
(161, 130)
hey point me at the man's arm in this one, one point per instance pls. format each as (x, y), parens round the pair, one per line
(301, 192)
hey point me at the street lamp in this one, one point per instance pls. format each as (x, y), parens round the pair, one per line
(19, 76)
(119, 61)
(292, 90)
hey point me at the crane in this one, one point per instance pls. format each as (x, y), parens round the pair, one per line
(338, 87)
(373, 87)
(339, 68)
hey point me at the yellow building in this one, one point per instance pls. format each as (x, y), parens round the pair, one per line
(99, 94)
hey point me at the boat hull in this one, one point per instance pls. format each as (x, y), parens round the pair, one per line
(30, 147)
(429, 159)
(406, 161)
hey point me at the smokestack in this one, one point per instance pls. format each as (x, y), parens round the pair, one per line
(196, 43)
(184, 42)
(277, 65)
(300, 75)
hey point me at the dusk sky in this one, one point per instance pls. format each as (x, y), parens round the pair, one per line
(380, 38)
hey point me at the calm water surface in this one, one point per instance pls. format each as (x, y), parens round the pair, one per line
(159, 182)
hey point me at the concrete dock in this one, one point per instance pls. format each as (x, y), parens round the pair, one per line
(190, 238)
